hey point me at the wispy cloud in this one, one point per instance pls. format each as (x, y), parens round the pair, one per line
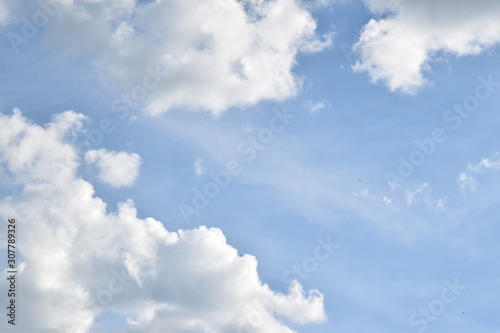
(467, 182)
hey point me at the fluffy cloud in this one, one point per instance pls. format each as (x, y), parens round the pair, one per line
(195, 54)
(115, 168)
(80, 260)
(398, 48)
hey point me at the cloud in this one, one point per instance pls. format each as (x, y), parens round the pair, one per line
(199, 166)
(117, 169)
(485, 164)
(318, 106)
(400, 47)
(421, 194)
(467, 182)
(412, 196)
(194, 54)
(78, 259)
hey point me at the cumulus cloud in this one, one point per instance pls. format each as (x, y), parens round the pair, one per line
(195, 54)
(117, 169)
(80, 259)
(399, 48)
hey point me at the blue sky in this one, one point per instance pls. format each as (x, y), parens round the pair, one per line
(321, 103)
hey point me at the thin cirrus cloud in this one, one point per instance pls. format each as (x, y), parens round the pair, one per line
(117, 169)
(399, 48)
(191, 54)
(101, 262)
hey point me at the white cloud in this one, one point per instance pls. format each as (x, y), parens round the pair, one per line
(484, 164)
(81, 260)
(398, 48)
(422, 195)
(318, 106)
(466, 182)
(372, 197)
(117, 169)
(366, 194)
(205, 54)
(412, 196)
(199, 166)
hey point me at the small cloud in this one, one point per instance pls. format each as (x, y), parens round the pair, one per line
(318, 106)
(365, 194)
(117, 169)
(440, 203)
(412, 197)
(486, 163)
(319, 43)
(422, 195)
(466, 182)
(372, 197)
(199, 166)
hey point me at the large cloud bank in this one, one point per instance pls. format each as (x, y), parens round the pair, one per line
(79, 260)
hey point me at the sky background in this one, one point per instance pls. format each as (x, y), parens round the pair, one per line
(365, 85)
